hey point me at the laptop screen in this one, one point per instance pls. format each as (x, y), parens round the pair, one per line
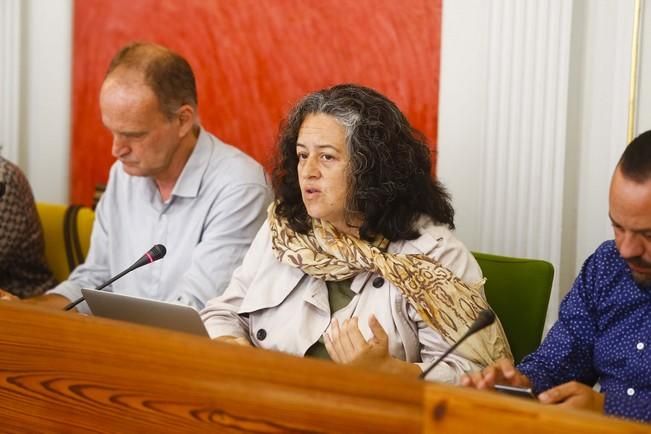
(145, 311)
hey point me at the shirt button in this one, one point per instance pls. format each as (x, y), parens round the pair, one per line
(630, 391)
(378, 282)
(640, 345)
(261, 334)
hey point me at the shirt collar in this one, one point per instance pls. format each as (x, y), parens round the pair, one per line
(189, 182)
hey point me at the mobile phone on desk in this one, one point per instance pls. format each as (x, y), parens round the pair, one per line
(522, 392)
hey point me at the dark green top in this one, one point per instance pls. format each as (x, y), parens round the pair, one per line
(339, 295)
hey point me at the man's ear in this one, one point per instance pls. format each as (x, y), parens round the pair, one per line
(186, 119)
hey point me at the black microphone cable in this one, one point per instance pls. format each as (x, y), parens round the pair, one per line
(154, 254)
(485, 318)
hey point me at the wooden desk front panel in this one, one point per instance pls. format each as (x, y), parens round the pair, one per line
(62, 372)
(466, 411)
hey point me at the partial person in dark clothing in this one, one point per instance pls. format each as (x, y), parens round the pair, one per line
(23, 271)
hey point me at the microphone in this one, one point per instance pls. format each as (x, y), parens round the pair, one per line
(485, 318)
(154, 254)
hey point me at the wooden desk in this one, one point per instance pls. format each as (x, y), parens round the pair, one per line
(465, 411)
(66, 372)
(63, 372)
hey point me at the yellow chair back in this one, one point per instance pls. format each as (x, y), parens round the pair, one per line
(66, 229)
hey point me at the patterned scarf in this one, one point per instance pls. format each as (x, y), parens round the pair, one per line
(445, 303)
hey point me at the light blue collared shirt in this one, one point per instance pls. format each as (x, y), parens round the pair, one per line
(207, 225)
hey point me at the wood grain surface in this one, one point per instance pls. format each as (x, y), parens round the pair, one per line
(67, 373)
(464, 411)
(63, 372)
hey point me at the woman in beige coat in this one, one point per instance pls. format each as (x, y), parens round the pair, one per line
(356, 261)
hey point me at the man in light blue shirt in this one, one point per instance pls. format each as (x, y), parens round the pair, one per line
(174, 184)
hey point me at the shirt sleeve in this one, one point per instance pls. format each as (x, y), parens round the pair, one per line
(12, 228)
(23, 270)
(96, 269)
(220, 315)
(566, 354)
(627, 406)
(231, 225)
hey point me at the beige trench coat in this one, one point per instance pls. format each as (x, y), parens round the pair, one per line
(280, 308)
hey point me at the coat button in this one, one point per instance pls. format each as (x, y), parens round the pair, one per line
(378, 282)
(630, 391)
(261, 334)
(640, 346)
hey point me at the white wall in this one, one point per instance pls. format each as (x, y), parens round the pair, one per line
(593, 132)
(644, 109)
(47, 42)
(462, 99)
(35, 74)
(599, 126)
(10, 55)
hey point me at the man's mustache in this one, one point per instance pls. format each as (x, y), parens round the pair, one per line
(638, 262)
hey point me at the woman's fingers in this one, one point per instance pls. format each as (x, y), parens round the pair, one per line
(345, 343)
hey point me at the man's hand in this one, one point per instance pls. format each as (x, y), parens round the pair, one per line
(54, 301)
(347, 345)
(501, 372)
(574, 395)
(234, 340)
(7, 296)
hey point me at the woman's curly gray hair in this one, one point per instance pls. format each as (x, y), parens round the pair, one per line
(389, 177)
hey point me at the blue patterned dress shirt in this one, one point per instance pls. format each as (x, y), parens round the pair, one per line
(602, 334)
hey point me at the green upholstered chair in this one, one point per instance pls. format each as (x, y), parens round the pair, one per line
(518, 291)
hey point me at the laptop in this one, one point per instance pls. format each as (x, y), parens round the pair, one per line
(145, 311)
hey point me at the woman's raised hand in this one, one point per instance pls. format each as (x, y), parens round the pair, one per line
(346, 344)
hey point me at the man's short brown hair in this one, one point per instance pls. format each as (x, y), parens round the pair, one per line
(167, 73)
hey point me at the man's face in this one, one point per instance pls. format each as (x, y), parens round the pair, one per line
(144, 139)
(630, 214)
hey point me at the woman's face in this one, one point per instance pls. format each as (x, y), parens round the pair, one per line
(322, 169)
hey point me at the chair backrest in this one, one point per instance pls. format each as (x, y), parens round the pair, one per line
(518, 291)
(66, 229)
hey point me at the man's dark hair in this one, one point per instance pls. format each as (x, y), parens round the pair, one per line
(635, 162)
(167, 73)
(389, 177)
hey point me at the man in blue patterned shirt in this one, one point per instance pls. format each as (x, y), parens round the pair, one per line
(603, 331)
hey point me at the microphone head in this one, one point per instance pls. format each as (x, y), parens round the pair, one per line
(485, 318)
(157, 252)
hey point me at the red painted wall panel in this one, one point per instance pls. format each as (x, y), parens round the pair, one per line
(253, 59)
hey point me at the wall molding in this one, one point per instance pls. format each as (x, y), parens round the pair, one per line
(10, 61)
(522, 155)
(527, 142)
